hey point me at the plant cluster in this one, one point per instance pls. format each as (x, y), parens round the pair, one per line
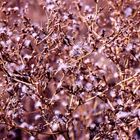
(69, 70)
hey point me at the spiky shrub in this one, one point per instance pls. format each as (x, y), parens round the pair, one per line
(69, 70)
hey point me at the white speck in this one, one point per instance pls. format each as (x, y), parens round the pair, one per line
(76, 115)
(30, 127)
(79, 83)
(20, 68)
(128, 11)
(26, 56)
(2, 30)
(59, 84)
(60, 137)
(120, 102)
(9, 42)
(15, 8)
(33, 97)
(38, 104)
(57, 112)
(122, 114)
(34, 34)
(31, 138)
(27, 43)
(32, 66)
(64, 103)
(101, 49)
(55, 126)
(92, 125)
(92, 78)
(37, 116)
(81, 77)
(9, 33)
(89, 86)
(112, 93)
(3, 44)
(56, 97)
(99, 93)
(11, 67)
(62, 65)
(54, 36)
(17, 38)
(65, 17)
(50, 7)
(88, 8)
(24, 125)
(24, 89)
(104, 66)
(62, 92)
(136, 112)
(116, 75)
(86, 60)
(76, 46)
(9, 9)
(99, 119)
(48, 1)
(9, 113)
(129, 47)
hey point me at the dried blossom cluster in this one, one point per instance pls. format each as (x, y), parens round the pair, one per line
(69, 70)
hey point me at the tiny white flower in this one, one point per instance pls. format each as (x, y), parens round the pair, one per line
(56, 97)
(20, 68)
(64, 103)
(57, 112)
(92, 125)
(50, 7)
(76, 115)
(112, 93)
(31, 138)
(129, 47)
(38, 104)
(9, 42)
(17, 38)
(37, 116)
(61, 65)
(81, 77)
(128, 11)
(3, 44)
(116, 75)
(55, 126)
(34, 34)
(33, 97)
(24, 125)
(89, 86)
(120, 102)
(59, 84)
(9, 112)
(16, 8)
(9, 9)
(65, 17)
(27, 56)
(24, 89)
(122, 114)
(86, 60)
(30, 127)
(27, 43)
(88, 8)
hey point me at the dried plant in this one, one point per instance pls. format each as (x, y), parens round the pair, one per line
(69, 70)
